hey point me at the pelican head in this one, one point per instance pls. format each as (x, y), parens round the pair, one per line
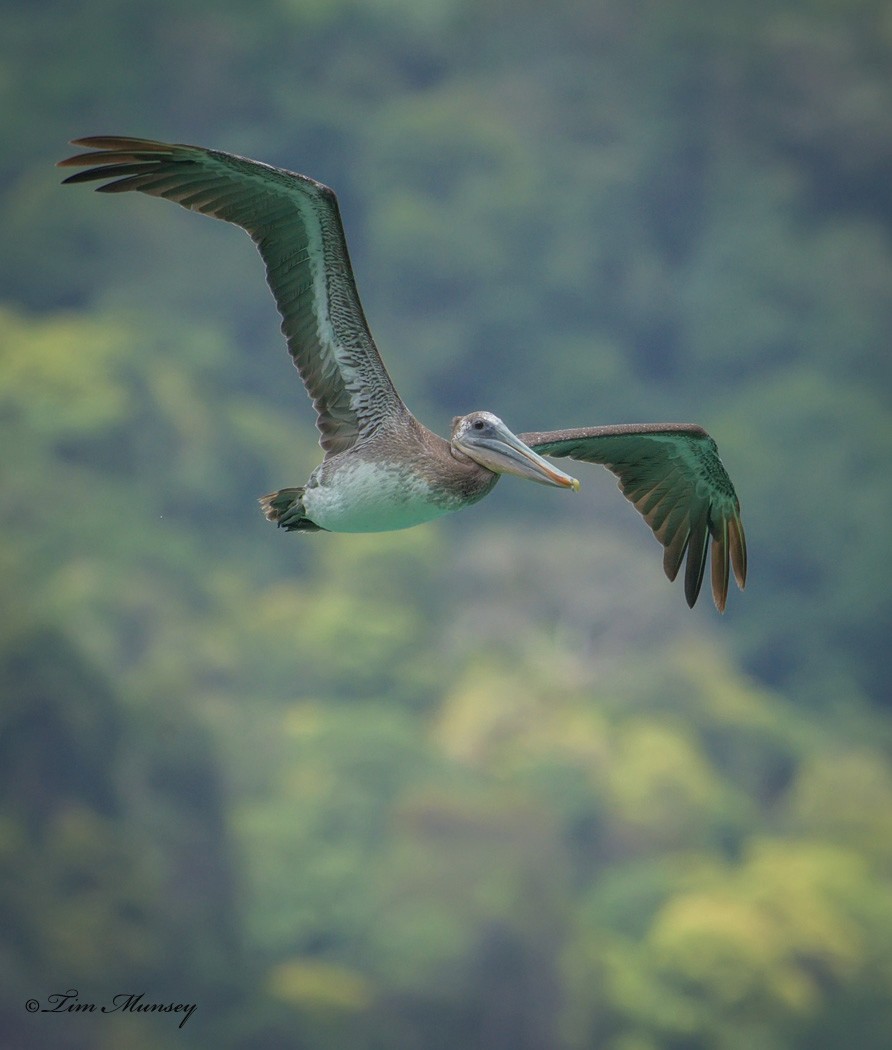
(484, 438)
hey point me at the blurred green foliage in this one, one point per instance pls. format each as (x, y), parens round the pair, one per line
(486, 784)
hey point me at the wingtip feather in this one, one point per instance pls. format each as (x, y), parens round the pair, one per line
(128, 142)
(737, 544)
(674, 552)
(720, 567)
(696, 563)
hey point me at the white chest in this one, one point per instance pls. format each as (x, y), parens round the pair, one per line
(366, 497)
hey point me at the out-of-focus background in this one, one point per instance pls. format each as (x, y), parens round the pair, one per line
(488, 783)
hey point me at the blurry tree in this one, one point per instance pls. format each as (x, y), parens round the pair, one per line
(485, 784)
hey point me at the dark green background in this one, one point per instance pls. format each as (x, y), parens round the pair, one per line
(485, 784)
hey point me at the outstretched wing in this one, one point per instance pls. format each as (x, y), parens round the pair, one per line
(296, 225)
(673, 475)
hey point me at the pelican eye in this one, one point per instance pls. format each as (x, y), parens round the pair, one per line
(478, 424)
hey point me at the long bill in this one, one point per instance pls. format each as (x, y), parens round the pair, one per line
(504, 453)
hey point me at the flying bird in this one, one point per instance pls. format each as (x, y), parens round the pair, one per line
(382, 469)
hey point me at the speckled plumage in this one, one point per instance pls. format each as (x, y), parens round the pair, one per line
(393, 481)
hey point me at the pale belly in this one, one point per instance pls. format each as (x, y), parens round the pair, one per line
(364, 497)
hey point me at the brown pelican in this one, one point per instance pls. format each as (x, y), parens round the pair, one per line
(382, 469)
